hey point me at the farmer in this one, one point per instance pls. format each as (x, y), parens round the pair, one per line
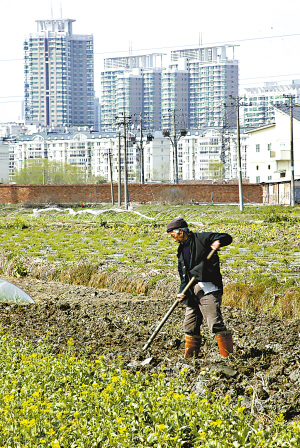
(204, 297)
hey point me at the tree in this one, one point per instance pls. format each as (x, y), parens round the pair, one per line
(215, 169)
(44, 171)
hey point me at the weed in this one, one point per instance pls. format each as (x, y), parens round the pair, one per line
(15, 265)
(155, 279)
(16, 223)
(79, 275)
(261, 248)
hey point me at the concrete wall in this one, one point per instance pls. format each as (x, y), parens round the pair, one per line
(71, 194)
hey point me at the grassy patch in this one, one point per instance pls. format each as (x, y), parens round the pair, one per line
(100, 250)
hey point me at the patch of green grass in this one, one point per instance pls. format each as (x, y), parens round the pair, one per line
(261, 247)
(155, 279)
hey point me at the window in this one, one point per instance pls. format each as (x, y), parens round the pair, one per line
(257, 167)
(257, 179)
(269, 146)
(269, 167)
(257, 147)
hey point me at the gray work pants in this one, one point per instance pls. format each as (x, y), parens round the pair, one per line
(207, 308)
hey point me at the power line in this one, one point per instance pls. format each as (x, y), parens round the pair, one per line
(12, 96)
(13, 101)
(241, 83)
(204, 45)
(260, 38)
(271, 76)
(184, 46)
(10, 60)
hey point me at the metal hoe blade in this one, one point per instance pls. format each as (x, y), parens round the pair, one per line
(162, 322)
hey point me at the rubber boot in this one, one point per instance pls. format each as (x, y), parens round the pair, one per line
(225, 344)
(192, 346)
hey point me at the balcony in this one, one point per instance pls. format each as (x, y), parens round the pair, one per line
(282, 154)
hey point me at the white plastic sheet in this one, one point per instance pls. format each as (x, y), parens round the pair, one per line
(37, 211)
(12, 293)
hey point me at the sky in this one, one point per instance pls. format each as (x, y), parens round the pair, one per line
(266, 32)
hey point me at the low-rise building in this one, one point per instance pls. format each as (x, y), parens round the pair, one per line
(270, 148)
(13, 129)
(270, 155)
(4, 161)
(91, 152)
(211, 154)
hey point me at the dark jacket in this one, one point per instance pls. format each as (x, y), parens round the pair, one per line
(202, 269)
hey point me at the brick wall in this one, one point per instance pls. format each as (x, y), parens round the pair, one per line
(72, 194)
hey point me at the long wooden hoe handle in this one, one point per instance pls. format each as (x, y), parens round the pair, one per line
(161, 323)
(210, 254)
(166, 316)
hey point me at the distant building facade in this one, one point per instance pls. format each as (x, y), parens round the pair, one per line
(175, 98)
(213, 77)
(59, 75)
(4, 161)
(261, 101)
(132, 85)
(210, 154)
(90, 151)
(196, 85)
(13, 129)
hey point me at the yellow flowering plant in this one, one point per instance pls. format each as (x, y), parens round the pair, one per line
(59, 402)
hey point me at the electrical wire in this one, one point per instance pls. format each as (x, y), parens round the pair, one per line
(185, 46)
(204, 45)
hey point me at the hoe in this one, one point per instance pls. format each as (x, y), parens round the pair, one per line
(164, 319)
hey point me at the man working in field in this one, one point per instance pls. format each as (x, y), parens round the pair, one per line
(204, 298)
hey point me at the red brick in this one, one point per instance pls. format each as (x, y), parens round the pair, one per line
(183, 193)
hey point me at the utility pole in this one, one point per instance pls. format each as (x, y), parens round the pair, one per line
(125, 121)
(224, 148)
(175, 149)
(174, 140)
(142, 151)
(240, 177)
(119, 173)
(111, 176)
(237, 103)
(291, 105)
(126, 198)
(141, 147)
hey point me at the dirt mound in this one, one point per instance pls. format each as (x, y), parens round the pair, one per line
(264, 369)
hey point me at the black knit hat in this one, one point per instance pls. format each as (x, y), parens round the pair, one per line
(177, 223)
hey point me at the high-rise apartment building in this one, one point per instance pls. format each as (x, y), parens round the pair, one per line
(175, 99)
(261, 101)
(213, 77)
(152, 98)
(132, 85)
(196, 85)
(129, 93)
(59, 75)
